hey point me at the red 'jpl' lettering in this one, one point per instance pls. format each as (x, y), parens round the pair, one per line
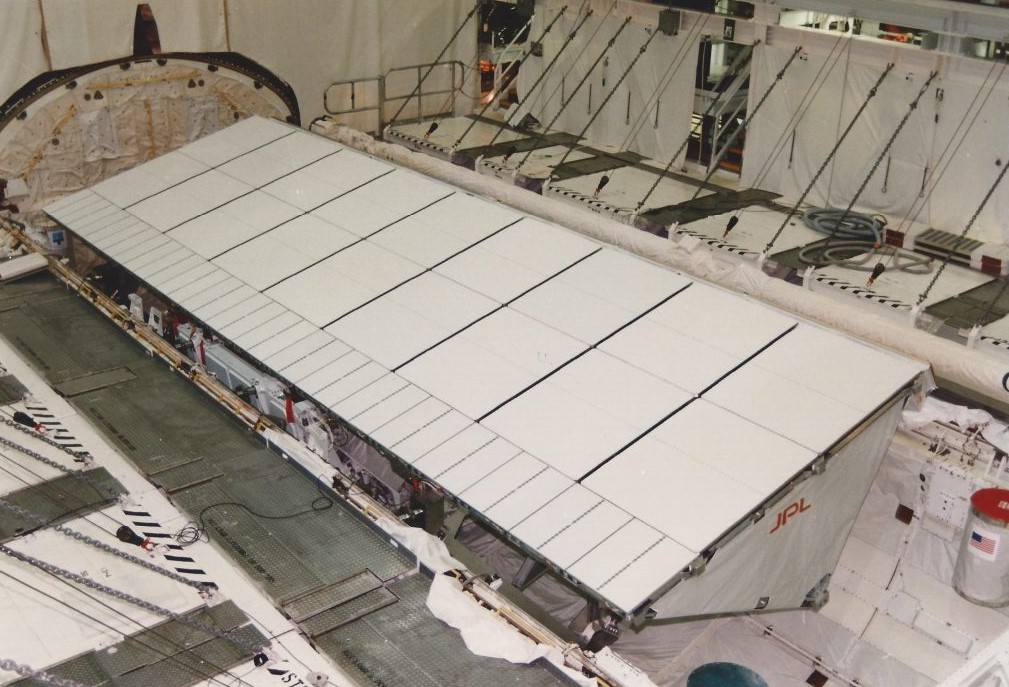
(791, 510)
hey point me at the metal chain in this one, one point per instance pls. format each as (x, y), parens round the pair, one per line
(252, 647)
(746, 123)
(490, 102)
(889, 144)
(30, 432)
(36, 675)
(641, 51)
(571, 98)
(81, 537)
(732, 70)
(539, 79)
(79, 474)
(830, 156)
(479, 3)
(963, 235)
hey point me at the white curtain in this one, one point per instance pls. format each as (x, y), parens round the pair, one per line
(906, 186)
(21, 50)
(85, 31)
(656, 118)
(313, 44)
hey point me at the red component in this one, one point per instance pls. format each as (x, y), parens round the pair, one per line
(992, 503)
(991, 265)
(289, 409)
(894, 238)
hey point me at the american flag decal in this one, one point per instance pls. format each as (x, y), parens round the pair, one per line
(983, 543)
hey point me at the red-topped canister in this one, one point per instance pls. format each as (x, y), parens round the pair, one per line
(981, 574)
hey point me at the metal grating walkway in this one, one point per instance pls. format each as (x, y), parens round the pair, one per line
(263, 512)
(403, 645)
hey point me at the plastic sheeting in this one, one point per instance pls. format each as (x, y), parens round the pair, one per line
(73, 140)
(485, 633)
(649, 113)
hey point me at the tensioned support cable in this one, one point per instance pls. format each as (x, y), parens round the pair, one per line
(963, 235)
(252, 647)
(733, 68)
(79, 536)
(80, 475)
(511, 66)
(685, 49)
(602, 106)
(571, 98)
(882, 154)
(542, 76)
(36, 675)
(830, 156)
(451, 40)
(742, 127)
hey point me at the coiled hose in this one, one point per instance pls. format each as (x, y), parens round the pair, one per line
(856, 243)
(855, 227)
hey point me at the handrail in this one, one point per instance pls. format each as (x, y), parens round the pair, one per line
(382, 98)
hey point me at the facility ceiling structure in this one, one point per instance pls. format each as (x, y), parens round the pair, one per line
(612, 417)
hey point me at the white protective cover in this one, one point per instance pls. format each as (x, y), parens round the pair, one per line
(783, 559)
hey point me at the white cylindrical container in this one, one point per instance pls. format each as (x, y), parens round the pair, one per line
(982, 568)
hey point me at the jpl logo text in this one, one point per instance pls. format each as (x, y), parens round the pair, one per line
(790, 511)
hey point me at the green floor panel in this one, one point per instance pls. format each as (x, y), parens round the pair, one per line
(404, 645)
(348, 612)
(60, 499)
(522, 145)
(262, 554)
(47, 356)
(594, 165)
(11, 389)
(335, 594)
(184, 476)
(94, 380)
(965, 310)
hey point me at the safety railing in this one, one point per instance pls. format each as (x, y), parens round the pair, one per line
(434, 85)
(735, 98)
